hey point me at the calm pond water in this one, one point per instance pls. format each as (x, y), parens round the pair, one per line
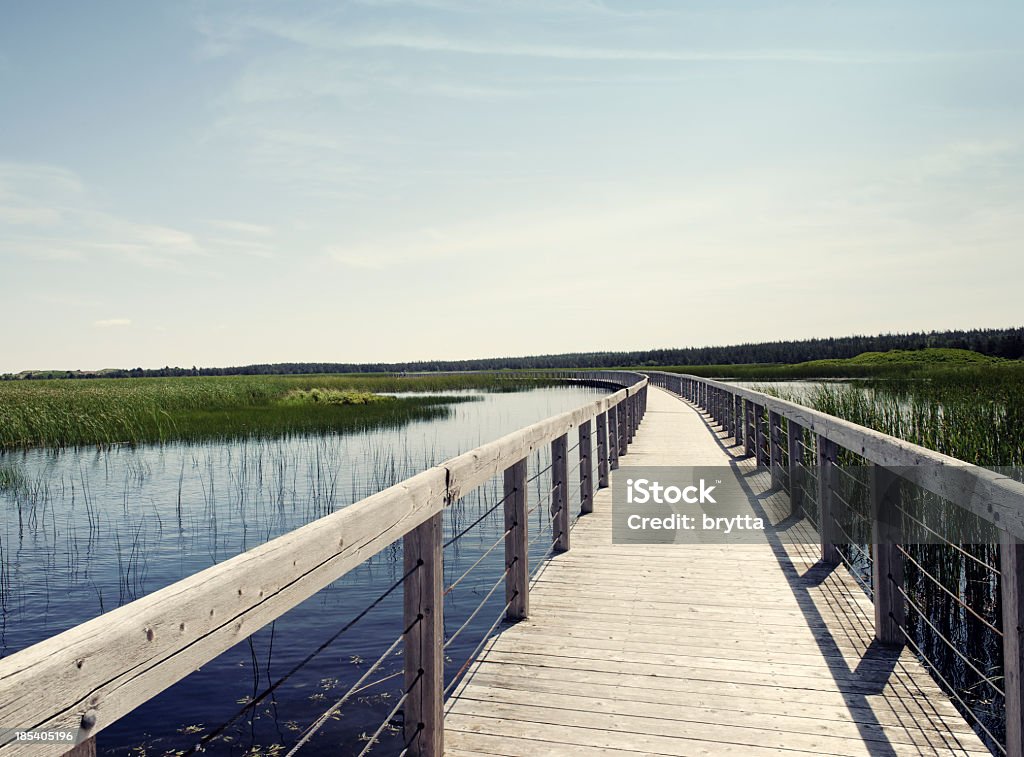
(95, 529)
(797, 389)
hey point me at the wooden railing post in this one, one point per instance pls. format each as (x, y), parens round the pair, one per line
(613, 438)
(602, 450)
(586, 471)
(622, 422)
(758, 436)
(794, 435)
(828, 481)
(625, 422)
(737, 418)
(424, 639)
(1011, 582)
(775, 448)
(517, 543)
(560, 492)
(887, 562)
(85, 748)
(748, 431)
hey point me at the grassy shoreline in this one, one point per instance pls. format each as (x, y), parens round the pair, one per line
(893, 364)
(62, 413)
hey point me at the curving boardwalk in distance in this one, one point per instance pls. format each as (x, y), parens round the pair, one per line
(697, 650)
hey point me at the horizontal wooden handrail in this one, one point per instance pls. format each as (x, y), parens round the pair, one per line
(86, 678)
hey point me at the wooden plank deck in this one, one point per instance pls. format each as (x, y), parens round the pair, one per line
(697, 650)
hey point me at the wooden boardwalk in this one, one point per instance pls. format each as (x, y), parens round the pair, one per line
(697, 650)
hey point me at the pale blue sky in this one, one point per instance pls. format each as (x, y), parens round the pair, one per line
(226, 183)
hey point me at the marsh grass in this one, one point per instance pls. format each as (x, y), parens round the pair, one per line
(103, 412)
(895, 364)
(317, 395)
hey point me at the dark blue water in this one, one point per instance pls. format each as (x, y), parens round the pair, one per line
(96, 529)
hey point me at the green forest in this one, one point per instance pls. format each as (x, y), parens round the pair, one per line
(1005, 343)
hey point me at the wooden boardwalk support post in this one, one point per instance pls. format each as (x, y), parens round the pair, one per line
(586, 470)
(424, 639)
(748, 429)
(613, 438)
(775, 448)
(1011, 582)
(85, 748)
(794, 435)
(622, 422)
(828, 481)
(517, 543)
(560, 492)
(758, 436)
(887, 562)
(737, 418)
(602, 451)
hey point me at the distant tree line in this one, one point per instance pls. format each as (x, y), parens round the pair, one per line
(1005, 343)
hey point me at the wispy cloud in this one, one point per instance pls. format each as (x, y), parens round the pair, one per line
(242, 227)
(329, 34)
(112, 323)
(450, 44)
(47, 212)
(29, 216)
(543, 7)
(544, 236)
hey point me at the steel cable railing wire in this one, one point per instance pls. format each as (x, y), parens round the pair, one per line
(539, 473)
(480, 604)
(546, 499)
(994, 570)
(476, 651)
(952, 691)
(851, 542)
(217, 732)
(855, 573)
(500, 540)
(983, 677)
(542, 559)
(372, 741)
(842, 469)
(942, 587)
(575, 467)
(475, 523)
(317, 724)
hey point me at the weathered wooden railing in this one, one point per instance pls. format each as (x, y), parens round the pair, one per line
(88, 677)
(759, 422)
